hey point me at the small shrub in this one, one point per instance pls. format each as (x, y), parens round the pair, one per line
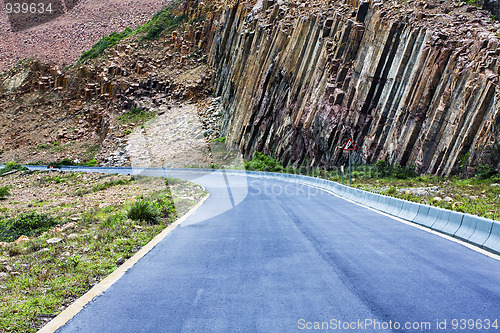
(142, 210)
(58, 180)
(261, 162)
(162, 21)
(484, 171)
(63, 162)
(92, 163)
(11, 166)
(221, 140)
(391, 191)
(385, 170)
(404, 172)
(165, 207)
(474, 2)
(4, 192)
(31, 224)
(173, 181)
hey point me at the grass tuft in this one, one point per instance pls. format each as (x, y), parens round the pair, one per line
(31, 224)
(4, 192)
(135, 115)
(169, 181)
(142, 210)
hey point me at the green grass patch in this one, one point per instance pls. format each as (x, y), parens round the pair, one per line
(261, 162)
(142, 210)
(135, 115)
(103, 44)
(162, 22)
(31, 224)
(102, 187)
(45, 278)
(476, 3)
(219, 140)
(385, 170)
(4, 192)
(92, 163)
(11, 166)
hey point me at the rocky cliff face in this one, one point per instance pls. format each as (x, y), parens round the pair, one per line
(411, 82)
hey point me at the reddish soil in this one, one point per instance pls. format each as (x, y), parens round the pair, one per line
(63, 40)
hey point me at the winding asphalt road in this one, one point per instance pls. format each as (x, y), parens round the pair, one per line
(271, 256)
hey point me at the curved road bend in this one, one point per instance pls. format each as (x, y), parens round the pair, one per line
(271, 256)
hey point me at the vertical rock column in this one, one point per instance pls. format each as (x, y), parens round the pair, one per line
(298, 87)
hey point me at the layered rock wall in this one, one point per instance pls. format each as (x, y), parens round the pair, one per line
(298, 79)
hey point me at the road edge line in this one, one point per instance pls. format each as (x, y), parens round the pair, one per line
(415, 225)
(77, 306)
(396, 218)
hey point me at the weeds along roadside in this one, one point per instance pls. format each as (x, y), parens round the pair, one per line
(477, 195)
(43, 274)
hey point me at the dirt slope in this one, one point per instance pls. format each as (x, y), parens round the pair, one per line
(62, 41)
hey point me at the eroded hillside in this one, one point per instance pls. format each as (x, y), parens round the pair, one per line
(87, 22)
(91, 109)
(412, 82)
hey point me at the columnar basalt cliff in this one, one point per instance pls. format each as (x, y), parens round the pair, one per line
(411, 82)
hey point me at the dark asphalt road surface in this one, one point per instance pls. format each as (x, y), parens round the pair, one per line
(270, 256)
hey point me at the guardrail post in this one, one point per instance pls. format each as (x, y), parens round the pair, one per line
(349, 168)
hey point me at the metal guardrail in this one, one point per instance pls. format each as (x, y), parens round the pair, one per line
(479, 231)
